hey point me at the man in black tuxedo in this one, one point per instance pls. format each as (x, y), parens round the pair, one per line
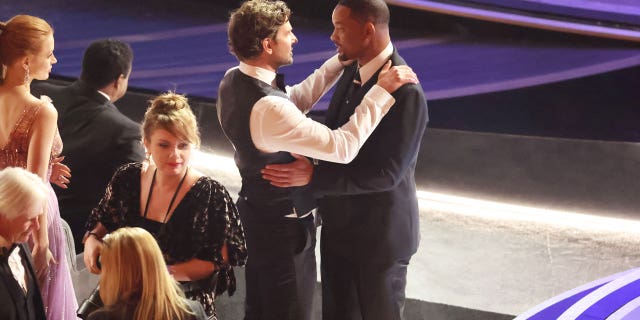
(23, 197)
(97, 138)
(369, 210)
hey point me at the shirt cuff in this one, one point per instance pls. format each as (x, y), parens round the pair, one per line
(383, 99)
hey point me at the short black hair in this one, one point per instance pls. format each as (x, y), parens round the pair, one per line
(104, 61)
(375, 11)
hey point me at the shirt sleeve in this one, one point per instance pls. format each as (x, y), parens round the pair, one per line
(306, 93)
(388, 160)
(276, 124)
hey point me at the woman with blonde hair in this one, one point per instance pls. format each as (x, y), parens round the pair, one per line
(192, 216)
(29, 139)
(135, 283)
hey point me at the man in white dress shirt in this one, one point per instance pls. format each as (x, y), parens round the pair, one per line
(266, 123)
(22, 200)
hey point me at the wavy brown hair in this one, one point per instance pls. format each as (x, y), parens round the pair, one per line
(254, 21)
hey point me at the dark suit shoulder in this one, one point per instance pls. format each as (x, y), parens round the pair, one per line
(113, 114)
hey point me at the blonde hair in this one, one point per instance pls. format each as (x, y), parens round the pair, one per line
(171, 111)
(133, 270)
(22, 35)
(19, 188)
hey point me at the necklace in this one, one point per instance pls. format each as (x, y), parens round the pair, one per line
(175, 194)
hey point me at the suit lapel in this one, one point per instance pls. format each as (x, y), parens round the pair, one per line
(338, 97)
(339, 112)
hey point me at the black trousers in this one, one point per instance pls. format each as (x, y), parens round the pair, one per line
(357, 289)
(281, 266)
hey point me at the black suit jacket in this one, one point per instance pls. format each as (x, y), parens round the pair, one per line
(370, 208)
(97, 140)
(12, 297)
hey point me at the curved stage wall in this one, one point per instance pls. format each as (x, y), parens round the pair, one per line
(613, 19)
(478, 76)
(598, 107)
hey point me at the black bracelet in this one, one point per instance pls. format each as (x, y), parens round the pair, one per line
(95, 235)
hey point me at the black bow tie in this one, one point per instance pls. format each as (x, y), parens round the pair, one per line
(280, 82)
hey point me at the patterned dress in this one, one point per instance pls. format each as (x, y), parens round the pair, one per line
(57, 291)
(201, 223)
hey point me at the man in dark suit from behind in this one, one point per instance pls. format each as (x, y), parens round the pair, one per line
(97, 137)
(370, 208)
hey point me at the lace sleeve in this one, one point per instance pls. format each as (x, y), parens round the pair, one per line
(222, 227)
(118, 200)
(234, 234)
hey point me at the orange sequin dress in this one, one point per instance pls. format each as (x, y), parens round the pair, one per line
(57, 290)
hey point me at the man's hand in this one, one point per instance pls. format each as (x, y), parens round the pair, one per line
(60, 173)
(392, 78)
(294, 174)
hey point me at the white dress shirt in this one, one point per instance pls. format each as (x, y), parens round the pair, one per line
(279, 124)
(104, 95)
(370, 68)
(15, 264)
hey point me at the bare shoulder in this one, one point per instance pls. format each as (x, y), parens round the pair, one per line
(47, 112)
(194, 175)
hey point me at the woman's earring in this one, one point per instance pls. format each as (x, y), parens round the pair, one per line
(26, 73)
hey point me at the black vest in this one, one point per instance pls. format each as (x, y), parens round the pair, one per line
(237, 95)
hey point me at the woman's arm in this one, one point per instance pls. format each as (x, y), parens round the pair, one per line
(109, 213)
(92, 247)
(38, 157)
(196, 269)
(192, 270)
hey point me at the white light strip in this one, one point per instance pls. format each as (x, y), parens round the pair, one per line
(484, 209)
(204, 159)
(503, 211)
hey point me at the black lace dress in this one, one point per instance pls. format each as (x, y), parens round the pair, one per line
(202, 222)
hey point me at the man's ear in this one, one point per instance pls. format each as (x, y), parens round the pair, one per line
(369, 29)
(266, 45)
(118, 82)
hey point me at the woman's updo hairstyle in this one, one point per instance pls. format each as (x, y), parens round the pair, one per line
(171, 111)
(22, 35)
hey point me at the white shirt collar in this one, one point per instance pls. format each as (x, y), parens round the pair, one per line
(261, 74)
(105, 95)
(370, 68)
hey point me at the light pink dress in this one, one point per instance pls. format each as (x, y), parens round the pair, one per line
(57, 291)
